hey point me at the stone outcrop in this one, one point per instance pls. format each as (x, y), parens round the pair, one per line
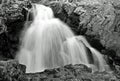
(13, 15)
(98, 20)
(13, 71)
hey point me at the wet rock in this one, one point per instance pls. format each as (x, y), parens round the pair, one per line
(11, 70)
(69, 73)
(64, 11)
(58, 10)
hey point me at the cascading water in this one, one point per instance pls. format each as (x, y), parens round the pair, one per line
(49, 43)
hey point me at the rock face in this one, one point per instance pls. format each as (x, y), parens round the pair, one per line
(98, 20)
(12, 19)
(13, 71)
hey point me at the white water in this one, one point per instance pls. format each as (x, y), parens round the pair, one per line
(49, 43)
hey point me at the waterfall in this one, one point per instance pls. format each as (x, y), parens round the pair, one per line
(49, 43)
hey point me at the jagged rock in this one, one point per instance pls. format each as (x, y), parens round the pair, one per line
(69, 73)
(12, 9)
(13, 15)
(101, 21)
(11, 70)
(96, 19)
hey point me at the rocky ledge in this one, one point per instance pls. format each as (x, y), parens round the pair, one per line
(13, 71)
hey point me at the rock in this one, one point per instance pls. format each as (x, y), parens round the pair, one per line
(77, 72)
(101, 21)
(3, 28)
(13, 14)
(98, 20)
(11, 70)
(58, 10)
(12, 9)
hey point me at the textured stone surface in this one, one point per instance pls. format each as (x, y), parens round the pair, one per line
(98, 20)
(12, 17)
(13, 71)
(69, 73)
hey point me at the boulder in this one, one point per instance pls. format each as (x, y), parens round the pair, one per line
(77, 72)
(11, 70)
